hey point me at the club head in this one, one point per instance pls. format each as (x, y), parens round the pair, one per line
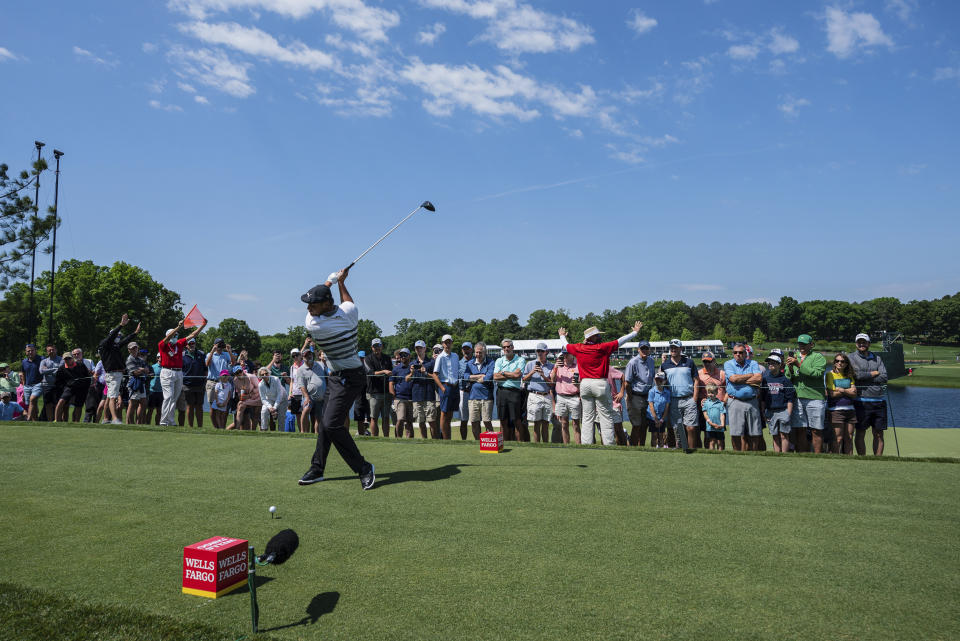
(428, 206)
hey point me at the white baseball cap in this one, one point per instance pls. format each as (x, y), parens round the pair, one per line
(294, 351)
(446, 337)
(862, 337)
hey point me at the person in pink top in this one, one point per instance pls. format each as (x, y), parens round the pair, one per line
(593, 361)
(250, 403)
(567, 386)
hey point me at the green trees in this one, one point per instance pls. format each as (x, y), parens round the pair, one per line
(22, 228)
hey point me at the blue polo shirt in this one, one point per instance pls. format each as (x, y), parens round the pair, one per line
(402, 388)
(659, 398)
(218, 363)
(681, 376)
(424, 389)
(31, 370)
(447, 368)
(537, 382)
(741, 391)
(7, 410)
(639, 374)
(481, 391)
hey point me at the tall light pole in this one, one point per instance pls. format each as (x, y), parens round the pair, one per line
(33, 237)
(56, 221)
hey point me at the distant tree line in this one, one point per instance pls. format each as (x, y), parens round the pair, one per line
(89, 300)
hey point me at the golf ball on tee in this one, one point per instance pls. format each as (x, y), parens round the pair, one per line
(273, 508)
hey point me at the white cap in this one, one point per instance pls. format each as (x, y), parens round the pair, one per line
(446, 337)
(294, 351)
(419, 344)
(862, 337)
(775, 358)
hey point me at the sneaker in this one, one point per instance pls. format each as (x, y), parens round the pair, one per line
(367, 478)
(310, 478)
(116, 421)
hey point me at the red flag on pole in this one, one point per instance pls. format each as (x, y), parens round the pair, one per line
(194, 318)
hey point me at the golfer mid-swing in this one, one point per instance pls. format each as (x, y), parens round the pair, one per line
(334, 330)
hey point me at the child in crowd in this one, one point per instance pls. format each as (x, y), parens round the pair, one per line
(777, 398)
(658, 408)
(223, 390)
(715, 413)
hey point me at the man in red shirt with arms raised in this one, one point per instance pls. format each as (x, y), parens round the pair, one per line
(171, 370)
(593, 361)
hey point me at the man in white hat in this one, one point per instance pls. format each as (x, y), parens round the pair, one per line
(870, 376)
(593, 361)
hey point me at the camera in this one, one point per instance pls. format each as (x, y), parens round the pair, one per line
(790, 353)
(416, 366)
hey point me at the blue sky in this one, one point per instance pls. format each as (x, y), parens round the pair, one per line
(581, 155)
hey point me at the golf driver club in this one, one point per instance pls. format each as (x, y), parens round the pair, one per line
(424, 205)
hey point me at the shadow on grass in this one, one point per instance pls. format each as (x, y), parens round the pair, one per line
(404, 476)
(323, 603)
(261, 581)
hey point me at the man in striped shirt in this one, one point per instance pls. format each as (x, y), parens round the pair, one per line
(334, 330)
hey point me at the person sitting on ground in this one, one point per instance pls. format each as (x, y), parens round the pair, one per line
(841, 390)
(10, 410)
(658, 409)
(778, 398)
(715, 414)
(274, 397)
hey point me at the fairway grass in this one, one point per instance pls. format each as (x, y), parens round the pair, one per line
(946, 375)
(534, 543)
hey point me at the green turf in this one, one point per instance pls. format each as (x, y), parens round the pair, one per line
(537, 542)
(945, 375)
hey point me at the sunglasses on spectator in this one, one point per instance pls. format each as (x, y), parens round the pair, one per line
(739, 351)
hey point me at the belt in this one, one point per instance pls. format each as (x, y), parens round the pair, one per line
(173, 369)
(568, 395)
(533, 391)
(345, 371)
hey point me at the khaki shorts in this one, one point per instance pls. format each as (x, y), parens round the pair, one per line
(481, 410)
(211, 390)
(425, 411)
(568, 406)
(377, 403)
(113, 380)
(404, 410)
(539, 407)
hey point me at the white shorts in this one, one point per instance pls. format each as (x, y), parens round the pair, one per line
(568, 406)
(113, 380)
(539, 407)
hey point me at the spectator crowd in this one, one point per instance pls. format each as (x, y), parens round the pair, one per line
(803, 401)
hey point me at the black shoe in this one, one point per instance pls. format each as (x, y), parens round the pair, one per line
(310, 478)
(689, 450)
(367, 478)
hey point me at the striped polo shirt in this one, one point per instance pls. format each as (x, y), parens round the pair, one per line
(336, 335)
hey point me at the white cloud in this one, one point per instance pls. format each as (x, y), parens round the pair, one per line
(6, 54)
(369, 23)
(243, 298)
(903, 8)
(791, 106)
(89, 56)
(912, 169)
(632, 94)
(187, 87)
(520, 28)
(255, 42)
(157, 86)
(497, 93)
(366, 100)
(743, 52)
(947, 73)
(429, 36)
(631, 155)
(781, 43)
(201, 100)
(640, 22)
(695, 82)
(847, 32)
(337, 41)
(149, 47)
(156, 104)
(214, 69)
